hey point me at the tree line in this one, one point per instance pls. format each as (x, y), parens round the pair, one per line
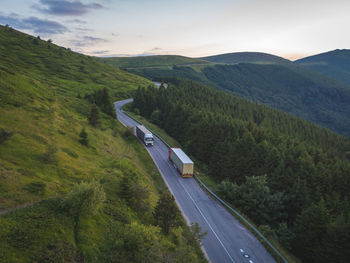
(289, 176)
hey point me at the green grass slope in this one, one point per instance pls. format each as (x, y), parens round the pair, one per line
(107, 219)
(151, 61)
(246, 57)
(335, 64)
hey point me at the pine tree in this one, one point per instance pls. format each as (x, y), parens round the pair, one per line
(83, 137)
(166, 213)
(94, 118)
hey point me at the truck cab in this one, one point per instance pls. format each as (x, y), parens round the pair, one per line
(148, 140)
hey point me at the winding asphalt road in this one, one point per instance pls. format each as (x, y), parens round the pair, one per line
(227, 239)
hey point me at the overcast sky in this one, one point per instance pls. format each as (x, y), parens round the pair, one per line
(288, 28)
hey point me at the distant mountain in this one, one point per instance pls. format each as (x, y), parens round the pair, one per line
(151, 61)
(334, 63)
(246, 57)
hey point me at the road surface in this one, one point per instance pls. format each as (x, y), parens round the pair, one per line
(227, 239)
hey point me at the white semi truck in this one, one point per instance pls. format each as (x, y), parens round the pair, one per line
(181, 161)
(145, 135)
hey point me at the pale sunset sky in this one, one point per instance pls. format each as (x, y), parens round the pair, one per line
(194, 28)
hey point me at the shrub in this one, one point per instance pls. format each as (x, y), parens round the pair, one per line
(83, 137)
(50, 154)
(85, 198)
(5, 134)
(36, 187)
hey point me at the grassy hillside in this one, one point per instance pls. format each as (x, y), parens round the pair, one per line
(335, 64)
(290, 177)
(94, 202)
(151, 61)
(246, 57)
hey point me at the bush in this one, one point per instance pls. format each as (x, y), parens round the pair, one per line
(50, 154)
(128, 133)
(83, 137)
(36, 187)
(70, 152)
(5, 134)
(84, 199)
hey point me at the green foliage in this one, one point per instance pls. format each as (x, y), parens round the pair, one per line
(85, 198)
(271, 166)
(196, 234)
(36, 187)
(126, 190)
(94, 118)
(38, 102)
(49, 156)
(5, 135)
(335, 63)
(58, 252)
(246, 57)
(166, 213)
(272, 81)
(83, 137)
(151, 61)
(128, 133)
(135, 243)
(70, 152)
(103, 100)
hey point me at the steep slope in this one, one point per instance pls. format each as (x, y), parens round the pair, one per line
(246, 57)
(289, 176)
(293, 89)
(94, 188)
(335, 64)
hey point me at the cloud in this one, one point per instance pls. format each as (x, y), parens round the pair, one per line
(66, 7)
(37, 25)
(77, 21)
(87, 41)
(101, 52)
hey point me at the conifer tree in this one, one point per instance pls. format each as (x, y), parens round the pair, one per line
(94, 118)
(83, 137)
(166, 212)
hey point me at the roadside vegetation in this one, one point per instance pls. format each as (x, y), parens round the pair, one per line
(290, 177)
(91, 189)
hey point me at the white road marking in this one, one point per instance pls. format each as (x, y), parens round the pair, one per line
(205, 219)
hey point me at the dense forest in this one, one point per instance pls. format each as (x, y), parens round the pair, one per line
(289, 87)
(335, 63)
(287, 175)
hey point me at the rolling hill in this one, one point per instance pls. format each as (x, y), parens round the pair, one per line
(335, 64)
(276, 82)
(151, 61)
(83, 193)
(246, 57)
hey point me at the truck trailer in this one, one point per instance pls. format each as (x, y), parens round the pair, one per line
(181, 161)
(145, 135)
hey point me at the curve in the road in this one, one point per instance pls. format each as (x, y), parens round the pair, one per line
(227, 239)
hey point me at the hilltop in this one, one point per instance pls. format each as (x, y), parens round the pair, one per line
(246, 57)
(90, 190)
(335, 64)
(151, 61)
